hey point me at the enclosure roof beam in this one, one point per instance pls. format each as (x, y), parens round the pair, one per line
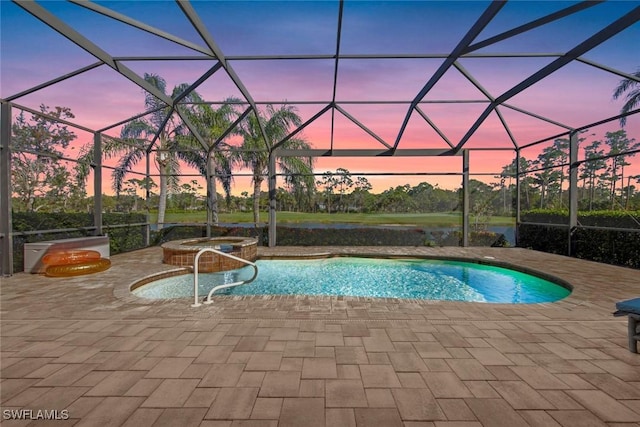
(192, 128)
(202, 30)
(365, 56)
(301, 127)
(54, 156)
(140, 25)
(54, 81)
(160, 129)
(610, 119)
(337, 56)
(473, 81)
(363, 127)
(583, 128)
(358, 173)
(332, 56)
(127, 142)
(433, 125)
(537, 116)
(335, 72)
(427, 152)
(58, 25)
(533, 24)
(540, 141)
(611, 30)
(137, 116)
(50, 117)
(506, 128)
(164, 58)
(344, 102)
(486, 93)
(609, 69)
(460, 49)
(231, 128)
(211, 71)
(186, 93)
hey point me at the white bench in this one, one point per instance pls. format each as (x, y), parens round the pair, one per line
(33, 252)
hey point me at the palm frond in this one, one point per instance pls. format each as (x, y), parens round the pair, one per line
(83, 166)
(625, 85)
(301, 163)
(195, 159)
(279, 122)
(632, 90)
(126, 162)
(633, 100)
(136, 129)
(191, 97)
(151, 102)
(112, 147)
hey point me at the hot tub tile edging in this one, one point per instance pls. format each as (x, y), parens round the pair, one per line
(182, 253)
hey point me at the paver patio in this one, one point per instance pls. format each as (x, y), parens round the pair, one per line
(86, 345)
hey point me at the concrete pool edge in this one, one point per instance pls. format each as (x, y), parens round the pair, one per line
(596, 289)
(489, 261)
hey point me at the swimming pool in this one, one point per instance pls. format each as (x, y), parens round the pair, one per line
(369, 277)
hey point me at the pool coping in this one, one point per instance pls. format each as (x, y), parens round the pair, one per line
(596, 288)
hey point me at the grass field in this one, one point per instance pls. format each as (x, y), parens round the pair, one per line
(418, 219)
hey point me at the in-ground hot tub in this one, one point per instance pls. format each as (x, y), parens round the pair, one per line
(183, 252)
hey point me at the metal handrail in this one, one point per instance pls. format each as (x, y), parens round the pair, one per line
(226, 285)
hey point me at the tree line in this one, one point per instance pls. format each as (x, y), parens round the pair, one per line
(603, 178)
(43, 180)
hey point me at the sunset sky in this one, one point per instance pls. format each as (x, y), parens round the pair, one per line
(575, 95)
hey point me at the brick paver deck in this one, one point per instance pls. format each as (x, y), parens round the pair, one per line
(87, 346)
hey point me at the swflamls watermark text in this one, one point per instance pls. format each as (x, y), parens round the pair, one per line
(35, 414)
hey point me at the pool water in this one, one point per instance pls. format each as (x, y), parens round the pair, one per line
(368, 277)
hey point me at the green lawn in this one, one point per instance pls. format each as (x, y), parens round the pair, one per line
(418, 219)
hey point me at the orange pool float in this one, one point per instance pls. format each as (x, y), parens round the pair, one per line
(78, 269)
(70, 257)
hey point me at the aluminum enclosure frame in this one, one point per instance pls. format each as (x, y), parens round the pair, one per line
(467, 47)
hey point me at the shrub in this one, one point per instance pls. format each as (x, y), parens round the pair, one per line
(299, 236)
(552, 238)
(619, 219)
(476, 238)
(609, 246)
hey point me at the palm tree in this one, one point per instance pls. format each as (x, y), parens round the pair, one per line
(255, 155)
(131, 151)
(210, 160)
(632, 98)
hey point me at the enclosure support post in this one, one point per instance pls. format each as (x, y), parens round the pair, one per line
(210, 178)
(6, 239)
(573, 191)
(465, 198)
(147, 190)
(97, 182)
(272, 199)
(518, 171)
